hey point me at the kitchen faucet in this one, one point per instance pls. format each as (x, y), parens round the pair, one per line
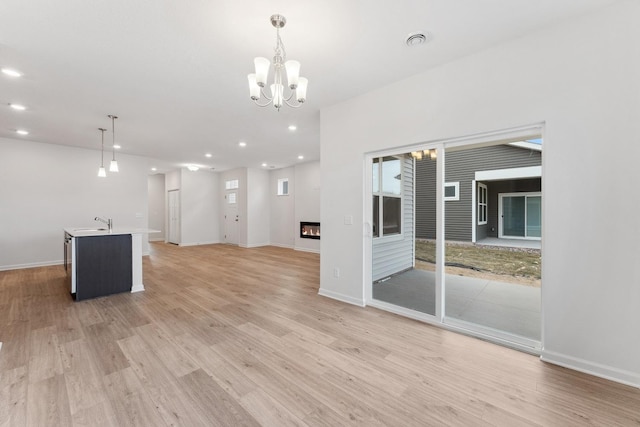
(109, 222)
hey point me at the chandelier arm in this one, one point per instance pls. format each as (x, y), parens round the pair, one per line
(261, 105)
(298, 105)
(267, 97)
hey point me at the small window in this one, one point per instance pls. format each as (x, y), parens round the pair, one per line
(482, 204)
(283, 187)
(451, 191)
(231, 184)
(231, 198)
(387, 196)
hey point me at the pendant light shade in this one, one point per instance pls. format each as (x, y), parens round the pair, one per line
(113, 166)
(101, 171)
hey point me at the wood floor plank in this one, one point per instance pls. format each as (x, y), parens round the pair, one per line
(98, 415)
(13, 397)
(267, 411)
(82, 380)
(44, 355)
(47, 403)
(225, 336)
(102, 341)
(217, 406)
(16, 345)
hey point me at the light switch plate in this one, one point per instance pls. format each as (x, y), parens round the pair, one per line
(348, 220)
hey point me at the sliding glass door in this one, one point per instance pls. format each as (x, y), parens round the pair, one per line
(520, 215)
(456, 237)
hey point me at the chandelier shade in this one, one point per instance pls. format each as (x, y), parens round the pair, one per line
(297, 86)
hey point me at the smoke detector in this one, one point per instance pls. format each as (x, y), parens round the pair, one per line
(415, 39)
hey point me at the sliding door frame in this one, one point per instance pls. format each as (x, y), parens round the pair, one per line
(443, 146)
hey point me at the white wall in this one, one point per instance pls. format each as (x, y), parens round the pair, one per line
(282, 209)
(258, 221)
(584, 85)
(46, 187)
(157, 208)
(307, 203)
(199, 208)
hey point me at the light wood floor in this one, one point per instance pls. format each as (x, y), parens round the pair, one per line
(225, 336)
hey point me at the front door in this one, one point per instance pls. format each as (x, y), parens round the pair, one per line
(520, 216)
(231, 217)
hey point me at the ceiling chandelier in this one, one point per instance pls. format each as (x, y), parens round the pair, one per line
(418, 155)
(258, 80)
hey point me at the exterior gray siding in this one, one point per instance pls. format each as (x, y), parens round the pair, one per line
(393, 256)
(425, 199)
(460, 166)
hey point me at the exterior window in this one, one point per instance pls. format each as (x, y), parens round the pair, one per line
(231, 198)
(387, 196)
(283, 187)
(451, 191)
(482, 204)
(231, 184)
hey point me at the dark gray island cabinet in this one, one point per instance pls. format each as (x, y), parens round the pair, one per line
(102, 262)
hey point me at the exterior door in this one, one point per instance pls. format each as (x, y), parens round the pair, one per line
(520, 216)
(231, 218)
(174, 216)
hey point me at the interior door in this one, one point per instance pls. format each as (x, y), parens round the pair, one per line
(231, 218)
(174, 216)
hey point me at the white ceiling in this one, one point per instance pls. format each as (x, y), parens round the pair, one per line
(175, 71)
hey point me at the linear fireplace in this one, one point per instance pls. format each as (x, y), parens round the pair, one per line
(309, 230)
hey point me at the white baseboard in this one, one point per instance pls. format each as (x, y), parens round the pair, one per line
(255, 245)
(279, 245)
(341, 297)
(213, 242)
(137, 288)
(315, 251)
(592, 368)
(30, 265)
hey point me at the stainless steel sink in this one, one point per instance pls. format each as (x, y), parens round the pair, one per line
(89, 229)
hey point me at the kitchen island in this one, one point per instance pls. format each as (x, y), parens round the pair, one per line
(103, 262)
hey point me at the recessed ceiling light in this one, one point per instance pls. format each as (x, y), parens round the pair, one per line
(18, 107)
(242, 144)
(11, 73)
(22, 132)
(154, 169)
(415, 39)
(117, 146)
(264, 165)
(300, 157)
(192, 168)
(293, 127)
(208, 155)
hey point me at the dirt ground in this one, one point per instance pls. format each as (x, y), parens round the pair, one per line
(526, 281)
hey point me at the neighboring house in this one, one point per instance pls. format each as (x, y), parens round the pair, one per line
(490, 191)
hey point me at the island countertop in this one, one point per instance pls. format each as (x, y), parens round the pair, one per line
(100, 231)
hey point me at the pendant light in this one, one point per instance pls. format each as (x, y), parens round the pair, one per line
(113, 166)
(101, 172)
